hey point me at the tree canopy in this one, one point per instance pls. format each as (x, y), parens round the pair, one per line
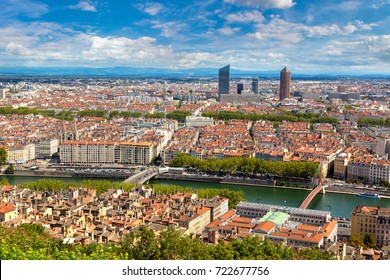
(32, 242)
(247, 166)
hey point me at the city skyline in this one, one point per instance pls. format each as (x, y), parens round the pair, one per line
(347, 37)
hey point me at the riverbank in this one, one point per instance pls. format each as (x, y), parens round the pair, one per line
(66, 174)
(263, 183)
(52, 173)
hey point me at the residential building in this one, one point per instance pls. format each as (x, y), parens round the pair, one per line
(85, 153)
(373, 220)
(21, 153)
(46, 148)
(8, 211)
(198, 121)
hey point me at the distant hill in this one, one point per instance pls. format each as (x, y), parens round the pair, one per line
(160, 72)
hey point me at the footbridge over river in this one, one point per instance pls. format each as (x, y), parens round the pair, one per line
(312, 194)
(317, 185)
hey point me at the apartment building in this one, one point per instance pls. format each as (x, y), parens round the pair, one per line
(192, 121)
(370, 169)
(46, 148)
(85, 153)
(21, 153)
(340, 165)
(134, 153)
(372, 220)
(197, 221)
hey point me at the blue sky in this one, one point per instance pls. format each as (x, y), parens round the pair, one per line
(314, 36)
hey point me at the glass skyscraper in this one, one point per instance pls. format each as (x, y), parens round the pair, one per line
(223, 80)
(255, 85)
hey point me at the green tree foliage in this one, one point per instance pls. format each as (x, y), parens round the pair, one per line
(385, 184)
(100, 186)
(65, 115)
(92, 113)
(32, 242)
(355, 240)
(180, 116)
(247, 166)
(125, 114)
(283, 116)
(25, 111)
(366, 122)
(10, 169)
(369, 240)
(158, 115)
(3, 156)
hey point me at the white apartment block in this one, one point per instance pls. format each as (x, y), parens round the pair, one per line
(379, 171)
(78, 152)
(373, 171)
(86, 153)
(192, 121)
(21, 153)
(3, 93)
(358, 169)
(136, 153)
(45, 148)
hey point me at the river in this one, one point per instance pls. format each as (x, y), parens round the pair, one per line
(340, 205)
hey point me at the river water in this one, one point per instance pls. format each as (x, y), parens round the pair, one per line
(340, 205)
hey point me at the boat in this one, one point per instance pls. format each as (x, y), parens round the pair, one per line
(370, 195)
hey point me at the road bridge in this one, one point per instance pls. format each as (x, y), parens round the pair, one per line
(141, 177)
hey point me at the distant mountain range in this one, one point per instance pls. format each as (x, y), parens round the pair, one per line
(160, 72)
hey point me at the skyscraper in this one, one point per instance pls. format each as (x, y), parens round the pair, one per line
(240, 88)
(223, 80)
(255, 85)
(285, 81)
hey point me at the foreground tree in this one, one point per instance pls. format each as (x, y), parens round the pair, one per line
(3, 156)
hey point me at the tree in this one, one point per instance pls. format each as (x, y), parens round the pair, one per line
(3, 156)
(10, 169)
(369, 240)
(355, 240)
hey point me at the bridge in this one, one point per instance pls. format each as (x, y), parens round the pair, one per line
(142, 177)
(316, 187)
(312, 194)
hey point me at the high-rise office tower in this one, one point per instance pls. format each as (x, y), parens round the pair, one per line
(255, 85)
(223, 80)
(240, 88)
(285, 81)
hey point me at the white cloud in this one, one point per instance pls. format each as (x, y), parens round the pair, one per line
(348, 6)
(363, 26)
(291, 32)
(379, 4)
(169, 29)
(228, 30)
(31, 9)
(245, 17)
(256, 35)
(266, 4)
(153, 8)
(84, 5)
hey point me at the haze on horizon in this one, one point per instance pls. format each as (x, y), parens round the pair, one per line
(329, 36)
